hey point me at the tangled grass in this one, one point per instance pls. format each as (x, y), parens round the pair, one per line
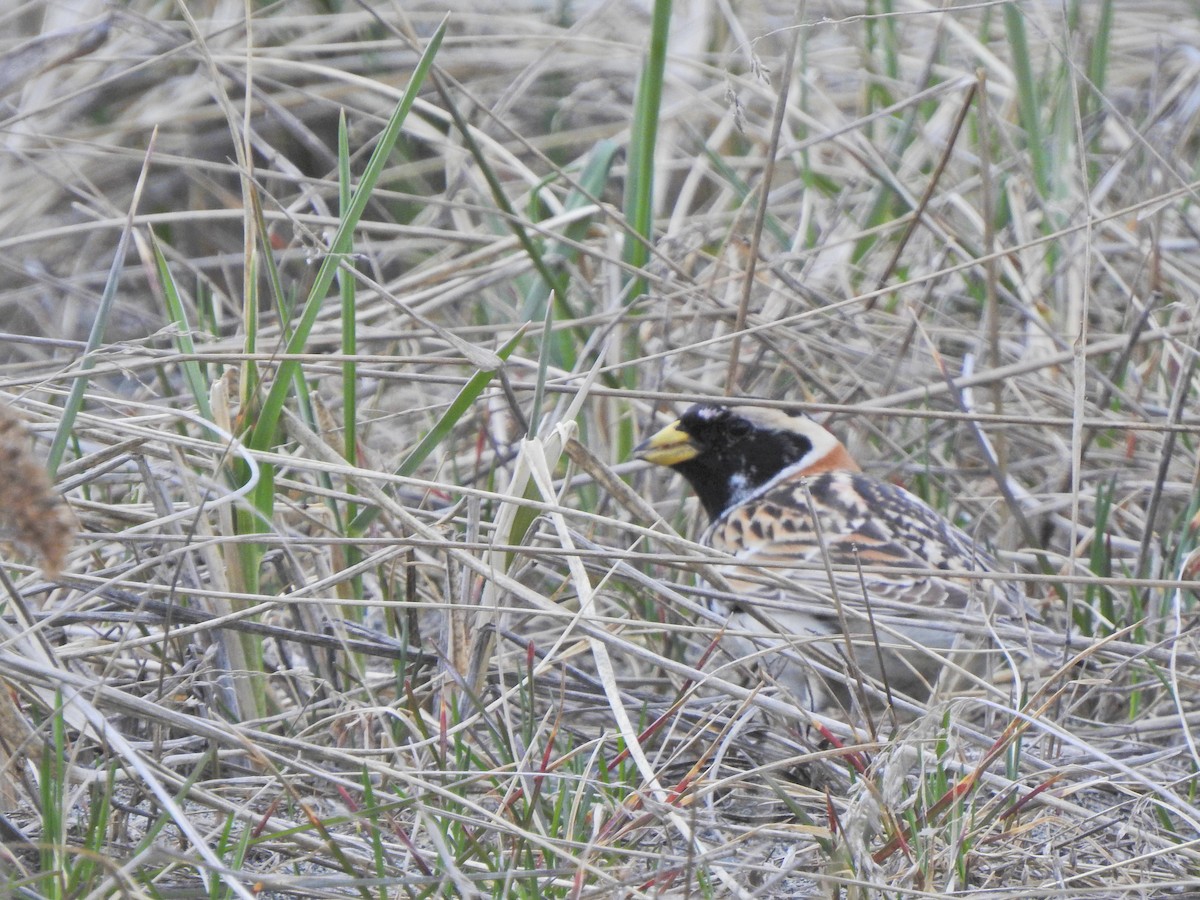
(335, 326)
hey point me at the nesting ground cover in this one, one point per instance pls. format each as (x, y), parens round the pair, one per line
(334, 326)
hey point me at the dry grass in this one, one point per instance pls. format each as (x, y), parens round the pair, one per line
(474, 665)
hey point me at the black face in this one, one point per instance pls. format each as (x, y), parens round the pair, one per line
(735, 455)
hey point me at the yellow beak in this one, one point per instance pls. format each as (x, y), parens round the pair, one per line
(668, 447)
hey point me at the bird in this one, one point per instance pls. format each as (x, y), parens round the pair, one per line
(837, 579)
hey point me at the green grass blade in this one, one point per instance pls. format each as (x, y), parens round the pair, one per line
(539, 389)
(1029, 101)
(96, 337)
(263, 434)
(349, 320)
(591, 183)
(458, 408)
(192, 372)
(639, 183)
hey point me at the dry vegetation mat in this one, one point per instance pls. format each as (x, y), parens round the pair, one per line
(334, 325)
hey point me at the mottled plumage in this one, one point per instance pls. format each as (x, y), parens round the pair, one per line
(814, 538)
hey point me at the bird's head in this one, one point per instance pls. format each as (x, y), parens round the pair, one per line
(726, 453)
